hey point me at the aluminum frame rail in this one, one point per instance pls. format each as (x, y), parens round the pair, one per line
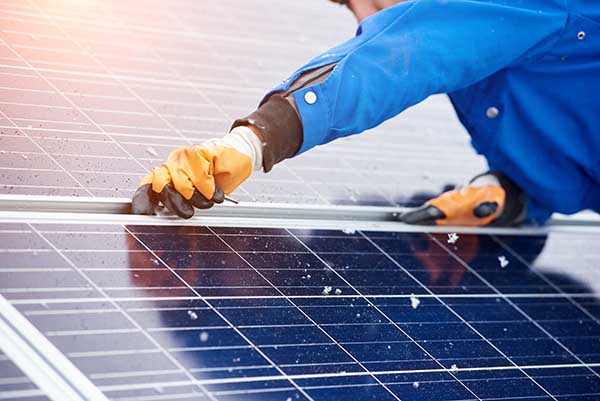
(41, 361)
(58, 209)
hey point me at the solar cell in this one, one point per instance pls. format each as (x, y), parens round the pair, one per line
(95, 93)
(171, 312)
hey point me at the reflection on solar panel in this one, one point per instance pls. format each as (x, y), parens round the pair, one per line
(92, 94)
(176, 313)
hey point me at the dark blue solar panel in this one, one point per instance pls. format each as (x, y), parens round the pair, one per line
(274, 314)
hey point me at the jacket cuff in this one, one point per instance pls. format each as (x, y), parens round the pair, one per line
(280, 126)
(515, 206)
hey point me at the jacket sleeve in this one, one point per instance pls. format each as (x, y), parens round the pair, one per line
(407, 52)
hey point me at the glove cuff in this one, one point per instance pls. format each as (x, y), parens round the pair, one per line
(515, 206)
(245, 141)
(280, 126)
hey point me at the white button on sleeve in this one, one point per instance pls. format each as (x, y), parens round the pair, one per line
(310, 97)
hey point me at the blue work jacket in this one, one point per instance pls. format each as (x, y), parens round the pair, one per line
(523, 76)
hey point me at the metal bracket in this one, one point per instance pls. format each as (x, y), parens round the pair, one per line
(41, 361)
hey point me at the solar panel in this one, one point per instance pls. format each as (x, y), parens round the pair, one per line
(95, 93)
(217, 313)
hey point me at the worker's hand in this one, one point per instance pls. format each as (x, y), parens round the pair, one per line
(201, 175)
(489, 198)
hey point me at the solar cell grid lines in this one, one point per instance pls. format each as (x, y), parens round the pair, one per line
(96, 93)
(149, 312)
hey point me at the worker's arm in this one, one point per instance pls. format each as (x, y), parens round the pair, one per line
(402, 55)
(399, 57)
(405, 53)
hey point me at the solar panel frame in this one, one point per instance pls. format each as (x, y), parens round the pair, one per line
(51, 374)
(16, 385)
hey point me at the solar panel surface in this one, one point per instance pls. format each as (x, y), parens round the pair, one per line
(92, 94)
(176, 313)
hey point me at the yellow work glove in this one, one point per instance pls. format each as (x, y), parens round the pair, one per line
(201, 175)
(488, 199)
